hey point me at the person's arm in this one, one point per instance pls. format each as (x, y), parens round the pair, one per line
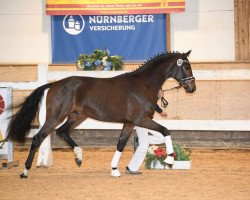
(160, 111)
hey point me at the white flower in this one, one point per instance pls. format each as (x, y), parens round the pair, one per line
(79, 64)
(151, 149)
(104, 61)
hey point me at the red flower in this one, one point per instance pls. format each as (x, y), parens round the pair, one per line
(2, 104)
(175, 155)
(159, 152)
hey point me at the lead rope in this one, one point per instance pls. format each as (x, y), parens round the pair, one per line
(164, 102)
(173, 88)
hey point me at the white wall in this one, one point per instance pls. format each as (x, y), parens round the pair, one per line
(24, 32)
(207, 27)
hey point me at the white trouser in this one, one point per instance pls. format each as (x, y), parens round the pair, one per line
(144, 139)
(141, 151)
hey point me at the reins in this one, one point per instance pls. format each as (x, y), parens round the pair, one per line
(181, 83)
(173, 88)
(164, 102)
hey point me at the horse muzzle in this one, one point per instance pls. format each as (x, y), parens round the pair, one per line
(189, 89)
(188, 84)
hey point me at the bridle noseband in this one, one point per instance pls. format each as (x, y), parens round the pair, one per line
(184, 80)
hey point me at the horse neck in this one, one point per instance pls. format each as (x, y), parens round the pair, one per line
(154, 76)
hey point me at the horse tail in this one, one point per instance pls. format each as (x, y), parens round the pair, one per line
(20, 123)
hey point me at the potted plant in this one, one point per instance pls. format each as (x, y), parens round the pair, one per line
(99, 60)
(156, 155)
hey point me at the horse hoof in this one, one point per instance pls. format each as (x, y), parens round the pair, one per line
(22, 175)
(78, 162)
(169, 160)
(169, 166)
(115, 173)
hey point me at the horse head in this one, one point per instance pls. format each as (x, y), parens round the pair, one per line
(182, 72)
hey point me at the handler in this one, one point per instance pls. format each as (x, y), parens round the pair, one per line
(144, 139)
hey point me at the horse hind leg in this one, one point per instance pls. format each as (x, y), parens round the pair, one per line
(73, 120)
(36, 142)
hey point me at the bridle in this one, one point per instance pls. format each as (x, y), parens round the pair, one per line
(182, 82)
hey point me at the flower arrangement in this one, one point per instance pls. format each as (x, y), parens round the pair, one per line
(99, 60)
(158, 154)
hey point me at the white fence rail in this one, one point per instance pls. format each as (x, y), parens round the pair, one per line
(45, 76)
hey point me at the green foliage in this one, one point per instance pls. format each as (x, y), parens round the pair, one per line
(181, 154)
(99, 60)
(116, 61)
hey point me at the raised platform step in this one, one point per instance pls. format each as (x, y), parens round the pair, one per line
(218, 139)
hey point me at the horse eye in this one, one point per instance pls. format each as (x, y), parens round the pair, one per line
(187, 66)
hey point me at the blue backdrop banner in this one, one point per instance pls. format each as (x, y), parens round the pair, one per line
(134, 37)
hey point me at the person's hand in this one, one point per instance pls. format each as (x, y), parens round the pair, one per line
(164, 114)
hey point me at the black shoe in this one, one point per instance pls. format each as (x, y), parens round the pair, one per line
(128, 171)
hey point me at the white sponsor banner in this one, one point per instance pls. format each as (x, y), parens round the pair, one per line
(6, 151)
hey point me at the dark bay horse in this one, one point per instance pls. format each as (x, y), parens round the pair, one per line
(129, 98)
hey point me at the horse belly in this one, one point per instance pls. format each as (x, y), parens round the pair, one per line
(107, 107)
(107, 112)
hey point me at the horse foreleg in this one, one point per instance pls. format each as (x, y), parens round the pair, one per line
(126, 131)
(64, 131)
(152, 125)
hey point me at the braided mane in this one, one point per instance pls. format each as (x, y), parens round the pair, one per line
(156, 58)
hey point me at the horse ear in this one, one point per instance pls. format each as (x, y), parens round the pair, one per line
(187, 53)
